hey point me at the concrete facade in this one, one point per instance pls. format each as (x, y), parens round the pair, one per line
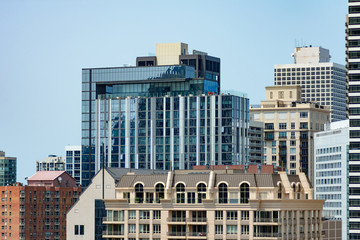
(7, 169)
(331, 172)
(289, 127)
(322, 81)
(73, 162)
(211, 205)
(51, 163)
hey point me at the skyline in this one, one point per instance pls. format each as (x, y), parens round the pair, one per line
(45, 45)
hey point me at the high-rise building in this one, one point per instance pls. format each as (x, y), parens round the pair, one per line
(7, 169)
(331, 171)
(38, 210)
(164, 113)
(353, 77)
(51, 163)
(321, 81)
(73, 162)
(256, 142)
(289, 127)
(213, 205)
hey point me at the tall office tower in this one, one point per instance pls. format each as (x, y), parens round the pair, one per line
(73, 162)
(331, 171)
(353, 75)
(165, 113)
(51, 163)
(321, 81)
(7, 169)
(290, 124)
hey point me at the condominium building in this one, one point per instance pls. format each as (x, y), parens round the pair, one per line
(165, 113)
(322, 81)
(290, 124)
(38, 210)
(88, 212)
(212, 205)
(51, 163)
(353, 77)
(256, 142)
(7, 169)
(331, 172)
(73, 162)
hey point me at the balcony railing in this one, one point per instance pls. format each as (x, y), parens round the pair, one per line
(199, 234)
(113, 219)
(113, 233)
(198, 219)
(177, 219)
(177, 234)
(271, 220)
(272, 235)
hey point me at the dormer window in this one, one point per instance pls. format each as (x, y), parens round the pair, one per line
(201, 189)
(180, 193)
(223, 193)
(244, 193)
(139, 193)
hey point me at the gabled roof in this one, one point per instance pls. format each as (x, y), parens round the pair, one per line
(46, 175)
(117, 173)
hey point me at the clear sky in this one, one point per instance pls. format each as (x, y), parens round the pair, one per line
(45, 44)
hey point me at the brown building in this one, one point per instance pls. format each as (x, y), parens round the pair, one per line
(38, 210)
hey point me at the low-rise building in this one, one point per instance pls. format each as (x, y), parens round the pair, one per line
(211, 205)
(38, 210)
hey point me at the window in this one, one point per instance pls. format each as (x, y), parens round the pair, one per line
(231, 215)
(201, 188)
(292, 125)
(139, 193)
(292, 150)
(180, 193)
(157, 214)
(281, 94)
(132, 228)
(219, 229)
(156, 228)
(191, 197)
(144, 228)
(223, 194)
(144, 214)
(218, 215)
(244, 193)
(282, 134)
(231, 229)
(303, 125)
(76, 230)
(303, 114)
(245, 215)
(282, 125)
(245, 229)
(81, 229)
(159, 189)
(132, 214)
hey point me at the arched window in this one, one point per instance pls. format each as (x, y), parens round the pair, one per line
(139, 193)
(223, 193)
(159, 190)
(180, 193)
(244, 193)
(201, 189)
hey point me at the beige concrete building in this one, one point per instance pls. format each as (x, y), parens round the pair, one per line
(289, 127)
(213, 205)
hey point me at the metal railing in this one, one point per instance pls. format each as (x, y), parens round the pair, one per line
(113, 233)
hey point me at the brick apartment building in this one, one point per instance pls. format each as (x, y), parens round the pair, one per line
(38, 210)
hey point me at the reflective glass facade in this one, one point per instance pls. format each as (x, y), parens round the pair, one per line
(172, 132)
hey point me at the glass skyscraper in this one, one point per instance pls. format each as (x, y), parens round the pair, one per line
(161, 116)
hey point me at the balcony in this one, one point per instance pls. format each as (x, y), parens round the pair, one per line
(197, 234)
(268, 235)
(267, 220)
(177, 219)
(113, 219)
(112, 233)
(197, 220)
(176, 234)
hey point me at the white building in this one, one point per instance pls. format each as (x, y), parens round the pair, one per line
(88, 212)
(51, 163)
(73, 162)
(321, 81)
(331, 177)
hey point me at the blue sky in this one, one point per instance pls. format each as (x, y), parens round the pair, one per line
(45, 44)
